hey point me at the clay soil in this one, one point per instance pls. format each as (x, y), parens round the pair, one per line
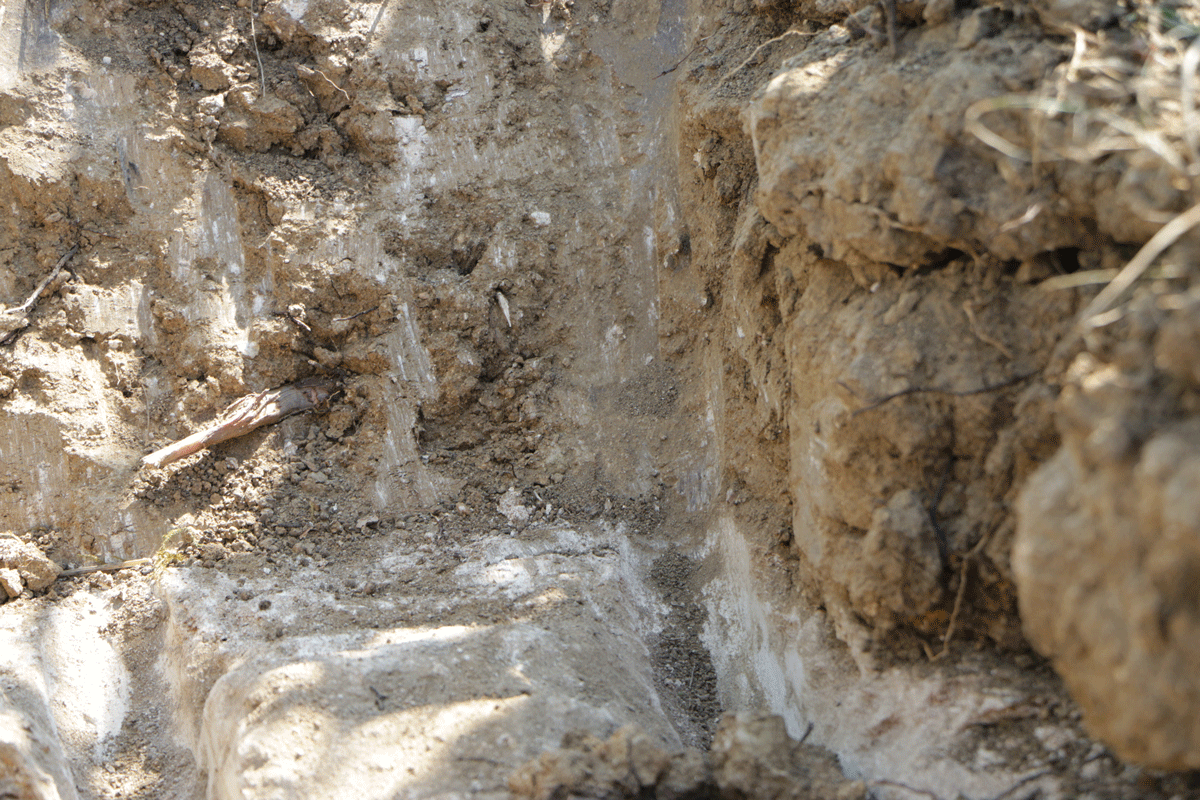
(590, 280)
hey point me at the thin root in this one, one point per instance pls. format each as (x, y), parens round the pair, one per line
(750, 60)
(7, 336)
(968, 559)
(262, 75)
(982, 335)
(936, 390)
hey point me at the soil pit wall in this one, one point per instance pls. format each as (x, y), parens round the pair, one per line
(693, 358)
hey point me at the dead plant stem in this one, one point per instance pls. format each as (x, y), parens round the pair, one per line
(1167, 235)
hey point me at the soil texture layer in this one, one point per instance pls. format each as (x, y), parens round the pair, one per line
(599, 399)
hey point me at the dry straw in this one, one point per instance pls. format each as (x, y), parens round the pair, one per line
(1112, 97)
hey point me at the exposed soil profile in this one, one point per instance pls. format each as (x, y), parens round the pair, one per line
(599, 399)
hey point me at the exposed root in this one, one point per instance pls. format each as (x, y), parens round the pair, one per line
(16, 319)
(968, 559)
(983, 335)
(935, 390)
(262, 75)
(250, 412)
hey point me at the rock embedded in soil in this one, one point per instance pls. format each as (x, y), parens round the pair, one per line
(900, 571)
(753, 756)
(627, 764)
(24, 566)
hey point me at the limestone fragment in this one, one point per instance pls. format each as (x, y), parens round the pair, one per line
(372, 132)
(210, 70)
(627, 764)
(255, 123)
(11, 583)
(511, 507)
(753, 756)
(31, 765)
(23, 565)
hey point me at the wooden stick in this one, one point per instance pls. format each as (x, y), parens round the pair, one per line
(114, 567)
(250, 412)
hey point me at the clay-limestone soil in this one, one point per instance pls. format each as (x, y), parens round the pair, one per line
(734, 398)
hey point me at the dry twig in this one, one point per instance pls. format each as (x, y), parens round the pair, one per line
(113, 567)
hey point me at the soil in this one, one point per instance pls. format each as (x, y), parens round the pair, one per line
(693, 359)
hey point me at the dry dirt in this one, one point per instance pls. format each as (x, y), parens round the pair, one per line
(696, 358)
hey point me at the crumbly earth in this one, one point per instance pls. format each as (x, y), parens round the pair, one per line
(694, 356)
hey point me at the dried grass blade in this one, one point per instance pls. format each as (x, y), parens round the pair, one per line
(1166, 236)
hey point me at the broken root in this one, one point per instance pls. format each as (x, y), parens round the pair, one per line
(250, 412)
